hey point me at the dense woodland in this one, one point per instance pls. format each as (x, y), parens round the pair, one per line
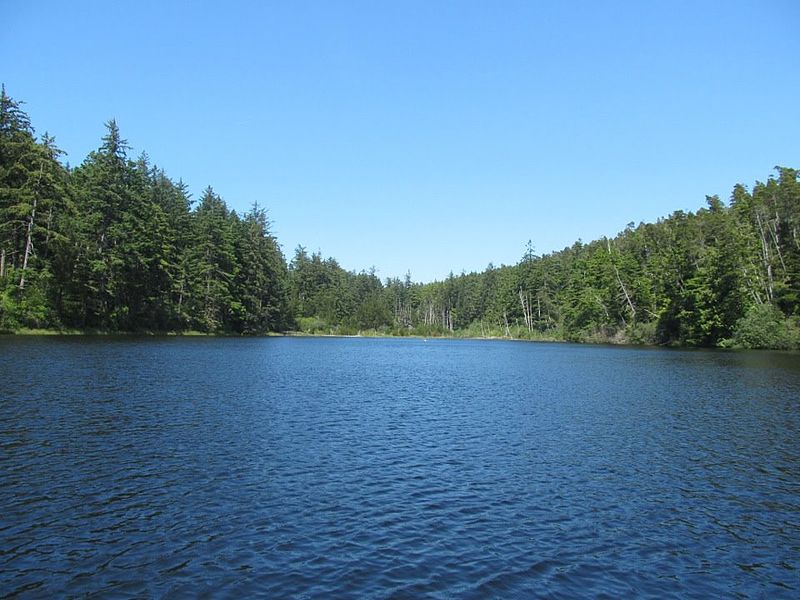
(117, 245)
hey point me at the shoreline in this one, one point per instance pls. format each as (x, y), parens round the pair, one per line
(301, 334)
(27, 332)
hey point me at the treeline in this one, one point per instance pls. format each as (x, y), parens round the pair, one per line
(116, 245)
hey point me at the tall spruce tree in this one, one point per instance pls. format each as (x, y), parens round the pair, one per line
(212, 266)
(260, 281)
(34, 204)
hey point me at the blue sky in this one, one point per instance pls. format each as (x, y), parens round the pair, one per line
(424, 136)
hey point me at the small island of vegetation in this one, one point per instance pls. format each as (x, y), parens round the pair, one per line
(115, 245)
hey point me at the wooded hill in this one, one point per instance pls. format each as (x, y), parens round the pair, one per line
(116, 245)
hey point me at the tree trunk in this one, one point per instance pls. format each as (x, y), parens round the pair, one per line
(621, 285)
(765, 256)
(539, 307)
(180, 298)
(774, 231)
(28, 245)
(527, 309)
(47, 236)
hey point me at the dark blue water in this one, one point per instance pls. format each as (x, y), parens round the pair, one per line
(364, 468)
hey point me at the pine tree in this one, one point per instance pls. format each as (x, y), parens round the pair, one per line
(212, 266)
(34, 205)
(260, 282)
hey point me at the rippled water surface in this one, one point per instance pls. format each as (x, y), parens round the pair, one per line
(366, 468)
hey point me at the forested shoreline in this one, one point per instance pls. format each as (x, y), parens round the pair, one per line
(116, 245)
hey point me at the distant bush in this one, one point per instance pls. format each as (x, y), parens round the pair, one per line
(28, 307)
(430, 331)
(345, 329)
(312, 325)
(765, 326)
(642, 333)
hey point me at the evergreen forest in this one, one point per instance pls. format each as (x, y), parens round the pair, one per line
(117, 245)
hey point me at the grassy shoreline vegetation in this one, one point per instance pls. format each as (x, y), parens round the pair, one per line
(114, 246)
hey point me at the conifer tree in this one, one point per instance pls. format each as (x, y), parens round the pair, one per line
(260, 281)
(212, 266)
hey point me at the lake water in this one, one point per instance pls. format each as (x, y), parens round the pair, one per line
(371, 468)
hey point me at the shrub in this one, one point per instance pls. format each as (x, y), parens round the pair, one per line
(765, 326)
(642, 333)
(312, 325)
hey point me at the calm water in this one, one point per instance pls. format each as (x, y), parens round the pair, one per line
(364, 468)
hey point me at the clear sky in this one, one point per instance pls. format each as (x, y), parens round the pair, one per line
(428, 136)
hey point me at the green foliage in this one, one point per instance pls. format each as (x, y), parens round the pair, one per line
(261, 279)
(115, 244)
(312, 325)
(373, 311)
(642, 333)
(9, 309)
(28, 306)
(765, 326)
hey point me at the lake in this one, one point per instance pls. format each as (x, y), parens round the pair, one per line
(395, 468)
